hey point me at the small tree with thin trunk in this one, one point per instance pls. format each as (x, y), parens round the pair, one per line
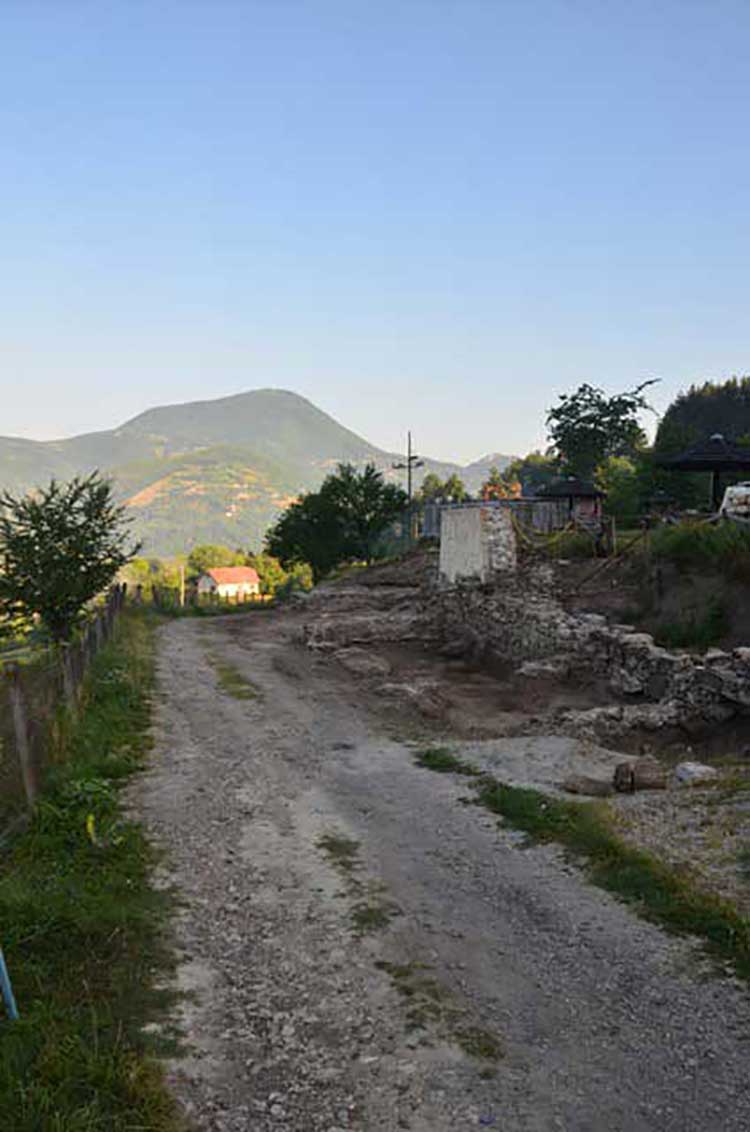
(60, 547)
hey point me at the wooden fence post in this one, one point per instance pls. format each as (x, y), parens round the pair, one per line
(21, 729)
(69, 684)
(99, 631)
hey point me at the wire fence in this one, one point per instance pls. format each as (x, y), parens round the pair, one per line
(35, 698)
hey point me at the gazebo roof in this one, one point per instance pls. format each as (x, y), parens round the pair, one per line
(570, 487)
(716, 454)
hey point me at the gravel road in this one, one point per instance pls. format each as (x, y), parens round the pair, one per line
(366, 952)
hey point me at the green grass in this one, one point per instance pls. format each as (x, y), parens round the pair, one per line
(231, 681)
(84, 933)
(695, 631)
(430, 1003)
(343, 851)
(372, 915)
(479, 1043)
(636, 877)
(441, 759)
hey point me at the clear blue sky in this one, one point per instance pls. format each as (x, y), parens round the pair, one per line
(429, 215)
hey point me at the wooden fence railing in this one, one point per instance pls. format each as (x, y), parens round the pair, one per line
(32, 697)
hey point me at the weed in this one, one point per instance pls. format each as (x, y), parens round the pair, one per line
(431, 1002)
(479, 1043)
(83, 931)
(443, 760)
(231, 681)
(724, 547)
(342, 850)
(372, 915)
(695, 631)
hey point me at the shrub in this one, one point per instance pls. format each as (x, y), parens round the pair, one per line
(724, 547)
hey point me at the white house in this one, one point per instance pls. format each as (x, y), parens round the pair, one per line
(237, 582)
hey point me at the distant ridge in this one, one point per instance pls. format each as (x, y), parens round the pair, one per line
(211, 471)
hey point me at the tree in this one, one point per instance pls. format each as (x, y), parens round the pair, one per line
(208, 555)
(703, 410)
(497, 486)
(587, 427)
(692, 417)
(454, 489)
(271, 573)
(619, 477)
(366, 505)
(59, 548)
(532, 472)
(432, 489)
(341, 521)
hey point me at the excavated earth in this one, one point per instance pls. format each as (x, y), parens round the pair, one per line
(360, 948)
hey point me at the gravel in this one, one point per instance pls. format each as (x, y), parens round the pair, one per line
(298, 1022)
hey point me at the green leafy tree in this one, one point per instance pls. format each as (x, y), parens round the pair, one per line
(300, 576)
(533, 472)
(587, 427)
(435, 490)
(693, 416)
(619, 477)
(366, 505)
(59, 548)
(454, 489)
(270, 571)
(207, 556)
(150, 572)
(340, 522)
(432, 488)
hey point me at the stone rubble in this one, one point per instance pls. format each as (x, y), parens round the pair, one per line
(516, 618)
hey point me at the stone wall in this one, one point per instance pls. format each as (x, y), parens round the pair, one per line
(518, 620)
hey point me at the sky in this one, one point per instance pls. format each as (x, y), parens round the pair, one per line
(426, 215)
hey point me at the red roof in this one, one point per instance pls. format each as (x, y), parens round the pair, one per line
(234, 575)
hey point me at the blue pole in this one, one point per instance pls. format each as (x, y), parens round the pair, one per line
(7, 990)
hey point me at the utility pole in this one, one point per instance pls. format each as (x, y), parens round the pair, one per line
(412, 461)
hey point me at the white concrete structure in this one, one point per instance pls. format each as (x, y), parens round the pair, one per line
(476, 542)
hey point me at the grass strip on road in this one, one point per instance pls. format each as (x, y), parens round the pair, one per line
(654, 889)
(84, 932)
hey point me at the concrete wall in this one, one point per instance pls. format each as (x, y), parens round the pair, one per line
(476, 542)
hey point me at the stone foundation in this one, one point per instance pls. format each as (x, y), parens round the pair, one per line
(518, 620)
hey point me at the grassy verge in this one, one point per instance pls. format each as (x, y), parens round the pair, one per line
(82, 929)
(638, 878)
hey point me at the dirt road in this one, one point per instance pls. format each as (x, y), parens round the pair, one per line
(368, 953)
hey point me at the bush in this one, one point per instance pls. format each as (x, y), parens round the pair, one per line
(694, 631)
(724, 547)
(570, 544)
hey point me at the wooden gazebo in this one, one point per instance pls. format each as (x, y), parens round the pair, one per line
(714, 455)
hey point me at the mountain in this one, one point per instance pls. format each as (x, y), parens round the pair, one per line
(477, 472)
(210, 471)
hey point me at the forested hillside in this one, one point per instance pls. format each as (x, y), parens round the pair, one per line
(211, 471)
